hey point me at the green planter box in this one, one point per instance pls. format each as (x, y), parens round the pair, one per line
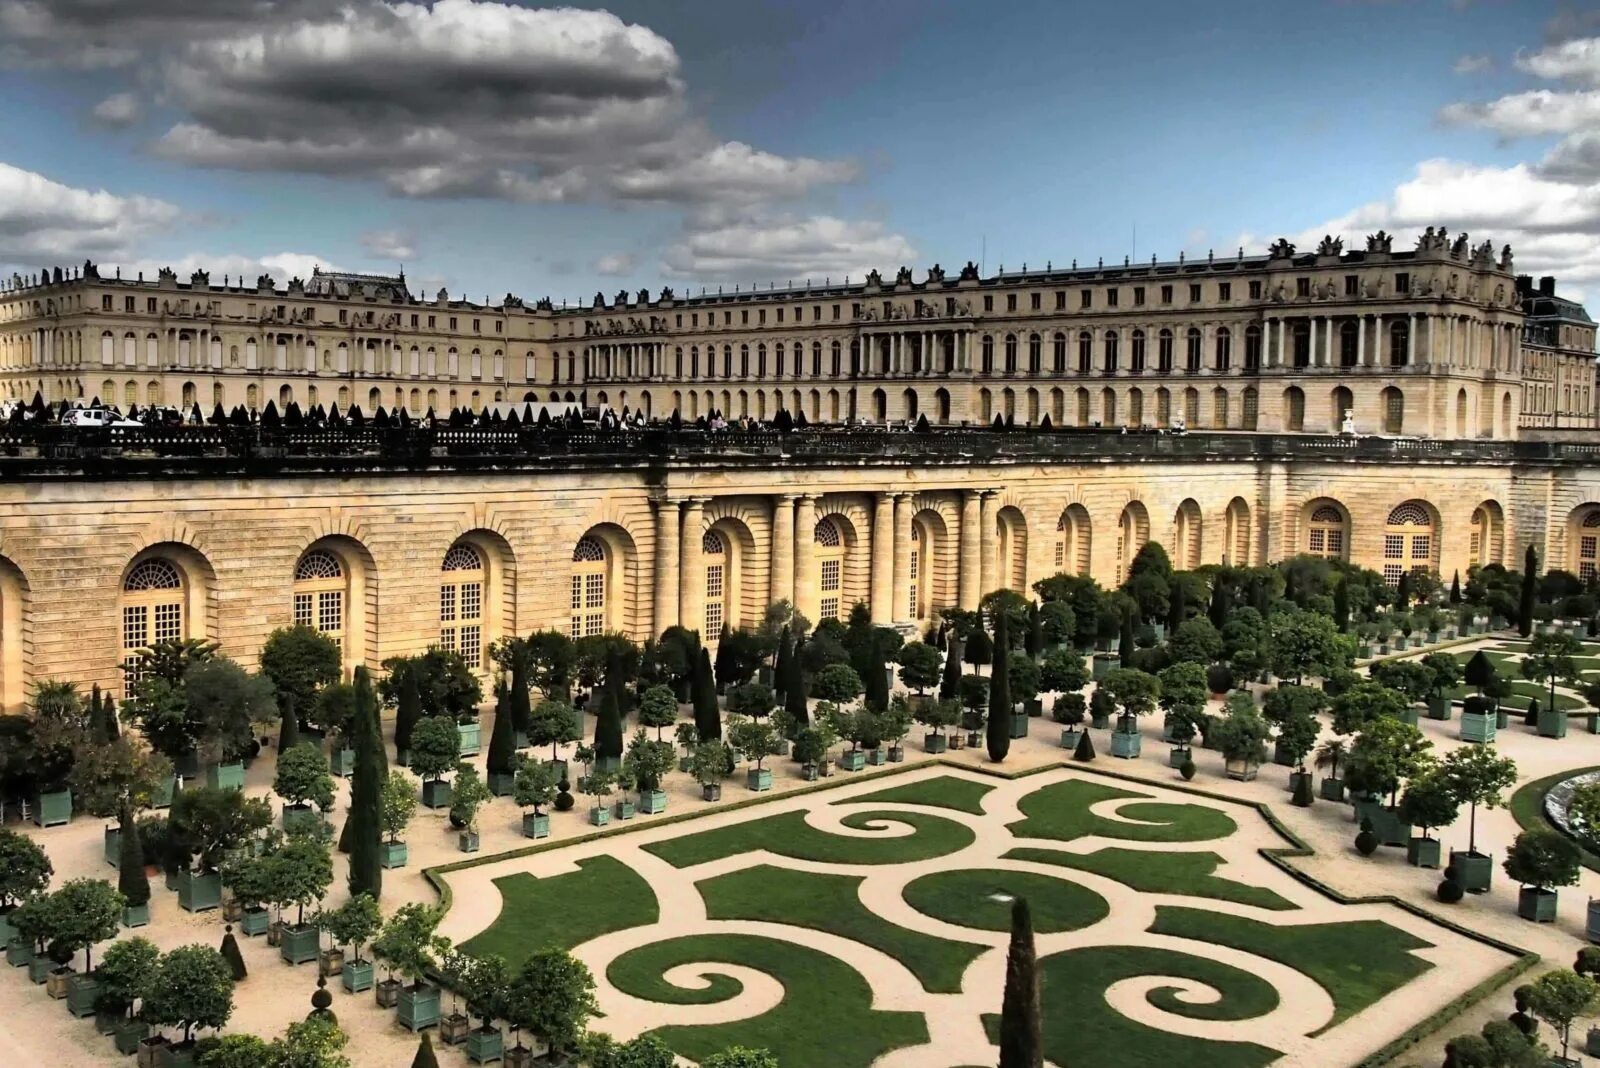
(484, 1046)
(1331, 789)
(225, 776)
(436, 794)
(1438, 708)
(199, 892)
(81, 992)
(1101, 665)
(1477, 727)
(419, 1007)
(1552, 723)
(760, 780)
(685, 762)
(128, 1035)
(711, 791)
(653, 802)
(19, 953)
(53, 809)
(469, 841)
(161, 796)
(1126, 745)
(1241, 770)
(136, 915)
(175, 1057)
(471, 737)
(39, 969)
(106, 1023)
(1423, 852)
(1502, 718)
(502, 784)
(1019, 724)
(113, 846)
(623, 810)
(357, 976)
(1536, 904)
(254, 922)
(852, 760)
(1475, 870)
(1177, 757)
(1409, 715)
(876, 757)
(1099, 723)
(392, 854)
(1386, 824)
(599, 817)
(607, 763)
(343, 762)
(535, 825)
(299, 945)
(1069, 738)
(1281, 756)
(935, 743)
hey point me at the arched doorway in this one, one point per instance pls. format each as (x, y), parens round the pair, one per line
(1409, 541)
(1073, 540)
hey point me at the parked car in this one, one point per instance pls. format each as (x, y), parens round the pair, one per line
(96, 417)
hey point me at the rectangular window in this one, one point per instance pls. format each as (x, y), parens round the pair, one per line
(477, 326)
(302, 610)
(1138, 296)
(1034, 301)
(471, 649)
(1352, 285)
(1166, 294)
(1224, 290)
(1111, 298)
(1336, 542)
(168, 623)
(471, 600)
(105, 302)
(744, 317)
(830, 576)
(988, 302)
(1394, 546)
(1319, 541)
(1194, 293)
(447, 604)
(1302, 287)
(1255, 290)
(1402, 282)
(452, 322)
(1011, 302)
(1061, 300)
(330, 611)
(1085, 298)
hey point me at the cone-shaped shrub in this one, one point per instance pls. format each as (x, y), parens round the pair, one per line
(409, 712)
(707, 717)
(1020, 1045)
(999, 734)
(288, 727)
(502, 759)
(425, 1057)
(364, 827)
(230, 953)
(132, 882)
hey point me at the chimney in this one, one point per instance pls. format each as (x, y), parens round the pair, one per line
(1525, 285)
(1547, 285)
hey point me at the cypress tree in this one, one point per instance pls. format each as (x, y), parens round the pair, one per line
(1033, 643)
(1125, 642)
(230, 953)
(363, 827)
(1402, 592)
(288, 726)
(724, 666)
(1019, 1009)
(950, 681)
(875, 682)
(608, 728)
(133, 883)
(502, 759)
(1341, 605)
(1177, 609)
(1455, 588)
(1530, 570)
(1217, 611)
(780, 670)
(409, 712)
(707, 717)
(794, 692)
(999, 736)
(425, 1057)
(521, 708)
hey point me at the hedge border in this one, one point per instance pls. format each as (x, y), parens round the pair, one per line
(1278, 857)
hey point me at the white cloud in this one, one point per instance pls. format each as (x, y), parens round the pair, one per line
(390, 245)
(1574, 60)
(282, 266)
(43, 222)
(117, 110)
(1531, 114)
(759, 248)
(1473, 65)
(615, 265)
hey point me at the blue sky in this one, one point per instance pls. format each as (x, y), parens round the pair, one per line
(722, 143)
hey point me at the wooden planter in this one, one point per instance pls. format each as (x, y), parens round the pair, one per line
(81, 992)
(129, 1035)
(852, 760)
(484, 1045)
(653, 802)
(58, 981)
(875, 757)
(225, 776)
(471, 737)
(1331, 789)
(454, 1028)
(436, 794)
(136, 915)
(1069, 738)
(149, 1047)
(1241, 770)
(199, 891)
(1477, 727)
(535, 825)
(599, 817)
(343, 763)
(330, 962)
(1475, 871)
(1127, 745)
(711, 791)
(1423, 852)
(386, 993)
(1537, 904)
(468, 841)
(53, 809)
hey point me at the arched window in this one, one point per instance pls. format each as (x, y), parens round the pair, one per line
(830, 568)
(986, 355)
(1072, 541)
(1224, 349)
(461, 603)
(1034, 358)
(319, 593)
(1394, 411)
(588, 588)
(1343, 401)
(1058, 354)
(1192, 350)
(1164, 352)
(152, 611)
(1085, 352)
(715, 552)
(1111, 354)
(1294, 409)
(1011, 354)
(1325, 532)
(1136, 353)
(916, 565)
(1485, 538)
(1186, 526)
(1408, 541)
(1252, 408)
(1236, 538)
(1589, 545)
(1399, 342)
(1133, 530)
(1219, 408)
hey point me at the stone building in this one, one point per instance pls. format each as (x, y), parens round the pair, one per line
(461, 537)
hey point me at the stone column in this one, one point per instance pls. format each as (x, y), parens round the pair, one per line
(882, 601)
(1281, 360)
(967, 582)
(901, 608)
(1411, 342)
(1361, 341)
(667, 549)
(783, 549)
(988, 547)
(692, 569)
(805, 568)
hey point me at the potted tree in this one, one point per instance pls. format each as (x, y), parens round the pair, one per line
(648, 762)
(1023, 672)
(1541, 859)
(206, 825)
(552, 996)
(435, 750)
(784, 728)
(409, 944)
(1242, 737)
(601, 782)
(1386, 754)
(623, 808)
(1476, 775)
(225, 702)
(303, 780)
(1135, 692)
(688, 736)
(485, 983)
(938, 717)
(126, 972)
(1559, 998)
(897, 722)
(1297, 734)
(1444, 675)
(84, 912)
(1329, 753)
(33, 923)
(469, 795)
(302, 874)
(1428, 802)
(708, 765)
(919, 670)
(755, 741)
(25, 872)
(1478, 719)
(248, 877)
(399, 804)
(555, 723)
(536, 787)
(1068, 710)
(192, 988)
(974, 691)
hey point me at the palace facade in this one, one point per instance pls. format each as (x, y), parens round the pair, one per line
(1442, 340)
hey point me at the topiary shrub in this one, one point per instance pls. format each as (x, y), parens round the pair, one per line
(1450, 892)
(1187, 769)
(1366, 841)
(1085, 750)
(1219, 678)
(564, 801)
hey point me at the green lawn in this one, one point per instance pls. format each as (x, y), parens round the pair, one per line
(971, 897)
(1192, 874)
(832, 903)
(559, 911)
(1527, 808)
(944, 791)
(789, 835)
(1357, 962)
(825, 1019)
(1060, 811)
(1079, 1028)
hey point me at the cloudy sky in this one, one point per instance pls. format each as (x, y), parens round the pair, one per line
(493, 147)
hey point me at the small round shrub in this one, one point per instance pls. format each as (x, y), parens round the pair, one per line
(1450, 892)
(1187, 770)
(1366, 841)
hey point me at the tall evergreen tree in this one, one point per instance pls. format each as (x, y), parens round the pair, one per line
(520, 704)
(1034, 642)
(794, 691)
(1341, 605)
(950, 681)
(1177, 608)
(288, 726)
(408, 714)
(1402, 592)
(707, 717)
(999, 736)
(875, 680)
(229, 951)
(425, 1056)
(724, 668)
(1455, 588)
(780, 670)
(1125, 642)
(1530, 572)
(1217, 611)
(608, 728)
(1020, 1045)
(132, 882)
(502, 759)
(364, 824)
